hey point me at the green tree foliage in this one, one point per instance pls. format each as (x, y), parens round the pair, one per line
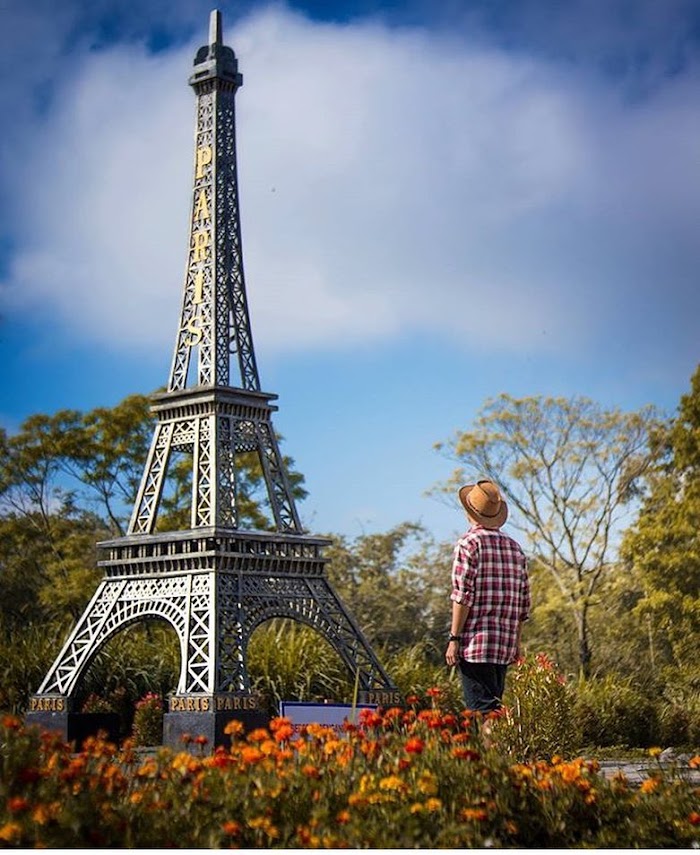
(568, 469)
(662, 548)
(396, 584)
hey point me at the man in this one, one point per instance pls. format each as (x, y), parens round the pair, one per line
(490, 599)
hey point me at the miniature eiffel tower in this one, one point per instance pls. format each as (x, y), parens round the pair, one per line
(214, 583)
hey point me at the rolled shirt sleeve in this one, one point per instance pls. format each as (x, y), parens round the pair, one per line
(464, 568)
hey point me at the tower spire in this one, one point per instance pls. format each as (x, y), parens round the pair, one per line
(215, 28)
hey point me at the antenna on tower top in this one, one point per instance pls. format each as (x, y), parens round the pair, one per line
(215, 28)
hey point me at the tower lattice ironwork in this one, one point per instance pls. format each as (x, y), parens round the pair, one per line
(215, 582)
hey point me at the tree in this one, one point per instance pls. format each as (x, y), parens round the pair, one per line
(390, 584)
(663, 546)
(94, 461)
(569, 470)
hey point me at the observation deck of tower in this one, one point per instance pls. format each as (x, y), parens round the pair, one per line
(215, 582)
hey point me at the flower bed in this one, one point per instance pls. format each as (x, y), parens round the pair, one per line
(401, 779)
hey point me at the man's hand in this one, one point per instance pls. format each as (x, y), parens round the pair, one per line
(452, 653)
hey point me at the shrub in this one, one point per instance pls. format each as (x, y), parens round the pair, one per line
(537, 720)
(611, 712)
(148, 720)
(400, 780)
(674, 724)
(414, 671)
(289, 661)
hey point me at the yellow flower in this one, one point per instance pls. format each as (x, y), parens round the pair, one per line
(416, 807)
(654, 752)
(427, 783)
(392, 782)
(265, 825)
(366, 783)
(433, 805)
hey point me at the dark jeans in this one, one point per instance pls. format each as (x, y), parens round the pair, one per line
(483, 684)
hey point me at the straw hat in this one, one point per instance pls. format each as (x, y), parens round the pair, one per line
(484, 504)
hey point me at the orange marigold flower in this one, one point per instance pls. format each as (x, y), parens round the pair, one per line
(649, 785)
(694, 818)
(201, 740)
(694, 762)
(251, 754)
(414, 745)
(260, 734)
(43, 813)
(412, 699)
(370, 748)
(10, 832)
(264, 823)
(343, 817)
(307, 839)
(433, 805)
(234, 727)
(231, 827)
(465, 753)
(434, 692)
(475, 814)
(11, 722)
(433, 718)
(284, 733)
(310, 771)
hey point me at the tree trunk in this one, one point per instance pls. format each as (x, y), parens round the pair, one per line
(584, 648)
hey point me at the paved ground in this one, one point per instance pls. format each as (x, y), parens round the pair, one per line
(637, 771)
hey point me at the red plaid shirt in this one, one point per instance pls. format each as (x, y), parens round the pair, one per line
(489, 575)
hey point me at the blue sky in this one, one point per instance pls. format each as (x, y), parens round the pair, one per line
(440, 202)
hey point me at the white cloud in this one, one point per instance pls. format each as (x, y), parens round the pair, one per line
(391, 181)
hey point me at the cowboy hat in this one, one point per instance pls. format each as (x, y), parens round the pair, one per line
(483, 502)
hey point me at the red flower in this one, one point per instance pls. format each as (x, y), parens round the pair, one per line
(414, 745)
(17, 804)
(370, 718)
(694, 818)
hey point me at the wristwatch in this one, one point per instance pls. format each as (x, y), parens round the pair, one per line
(455, 638)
